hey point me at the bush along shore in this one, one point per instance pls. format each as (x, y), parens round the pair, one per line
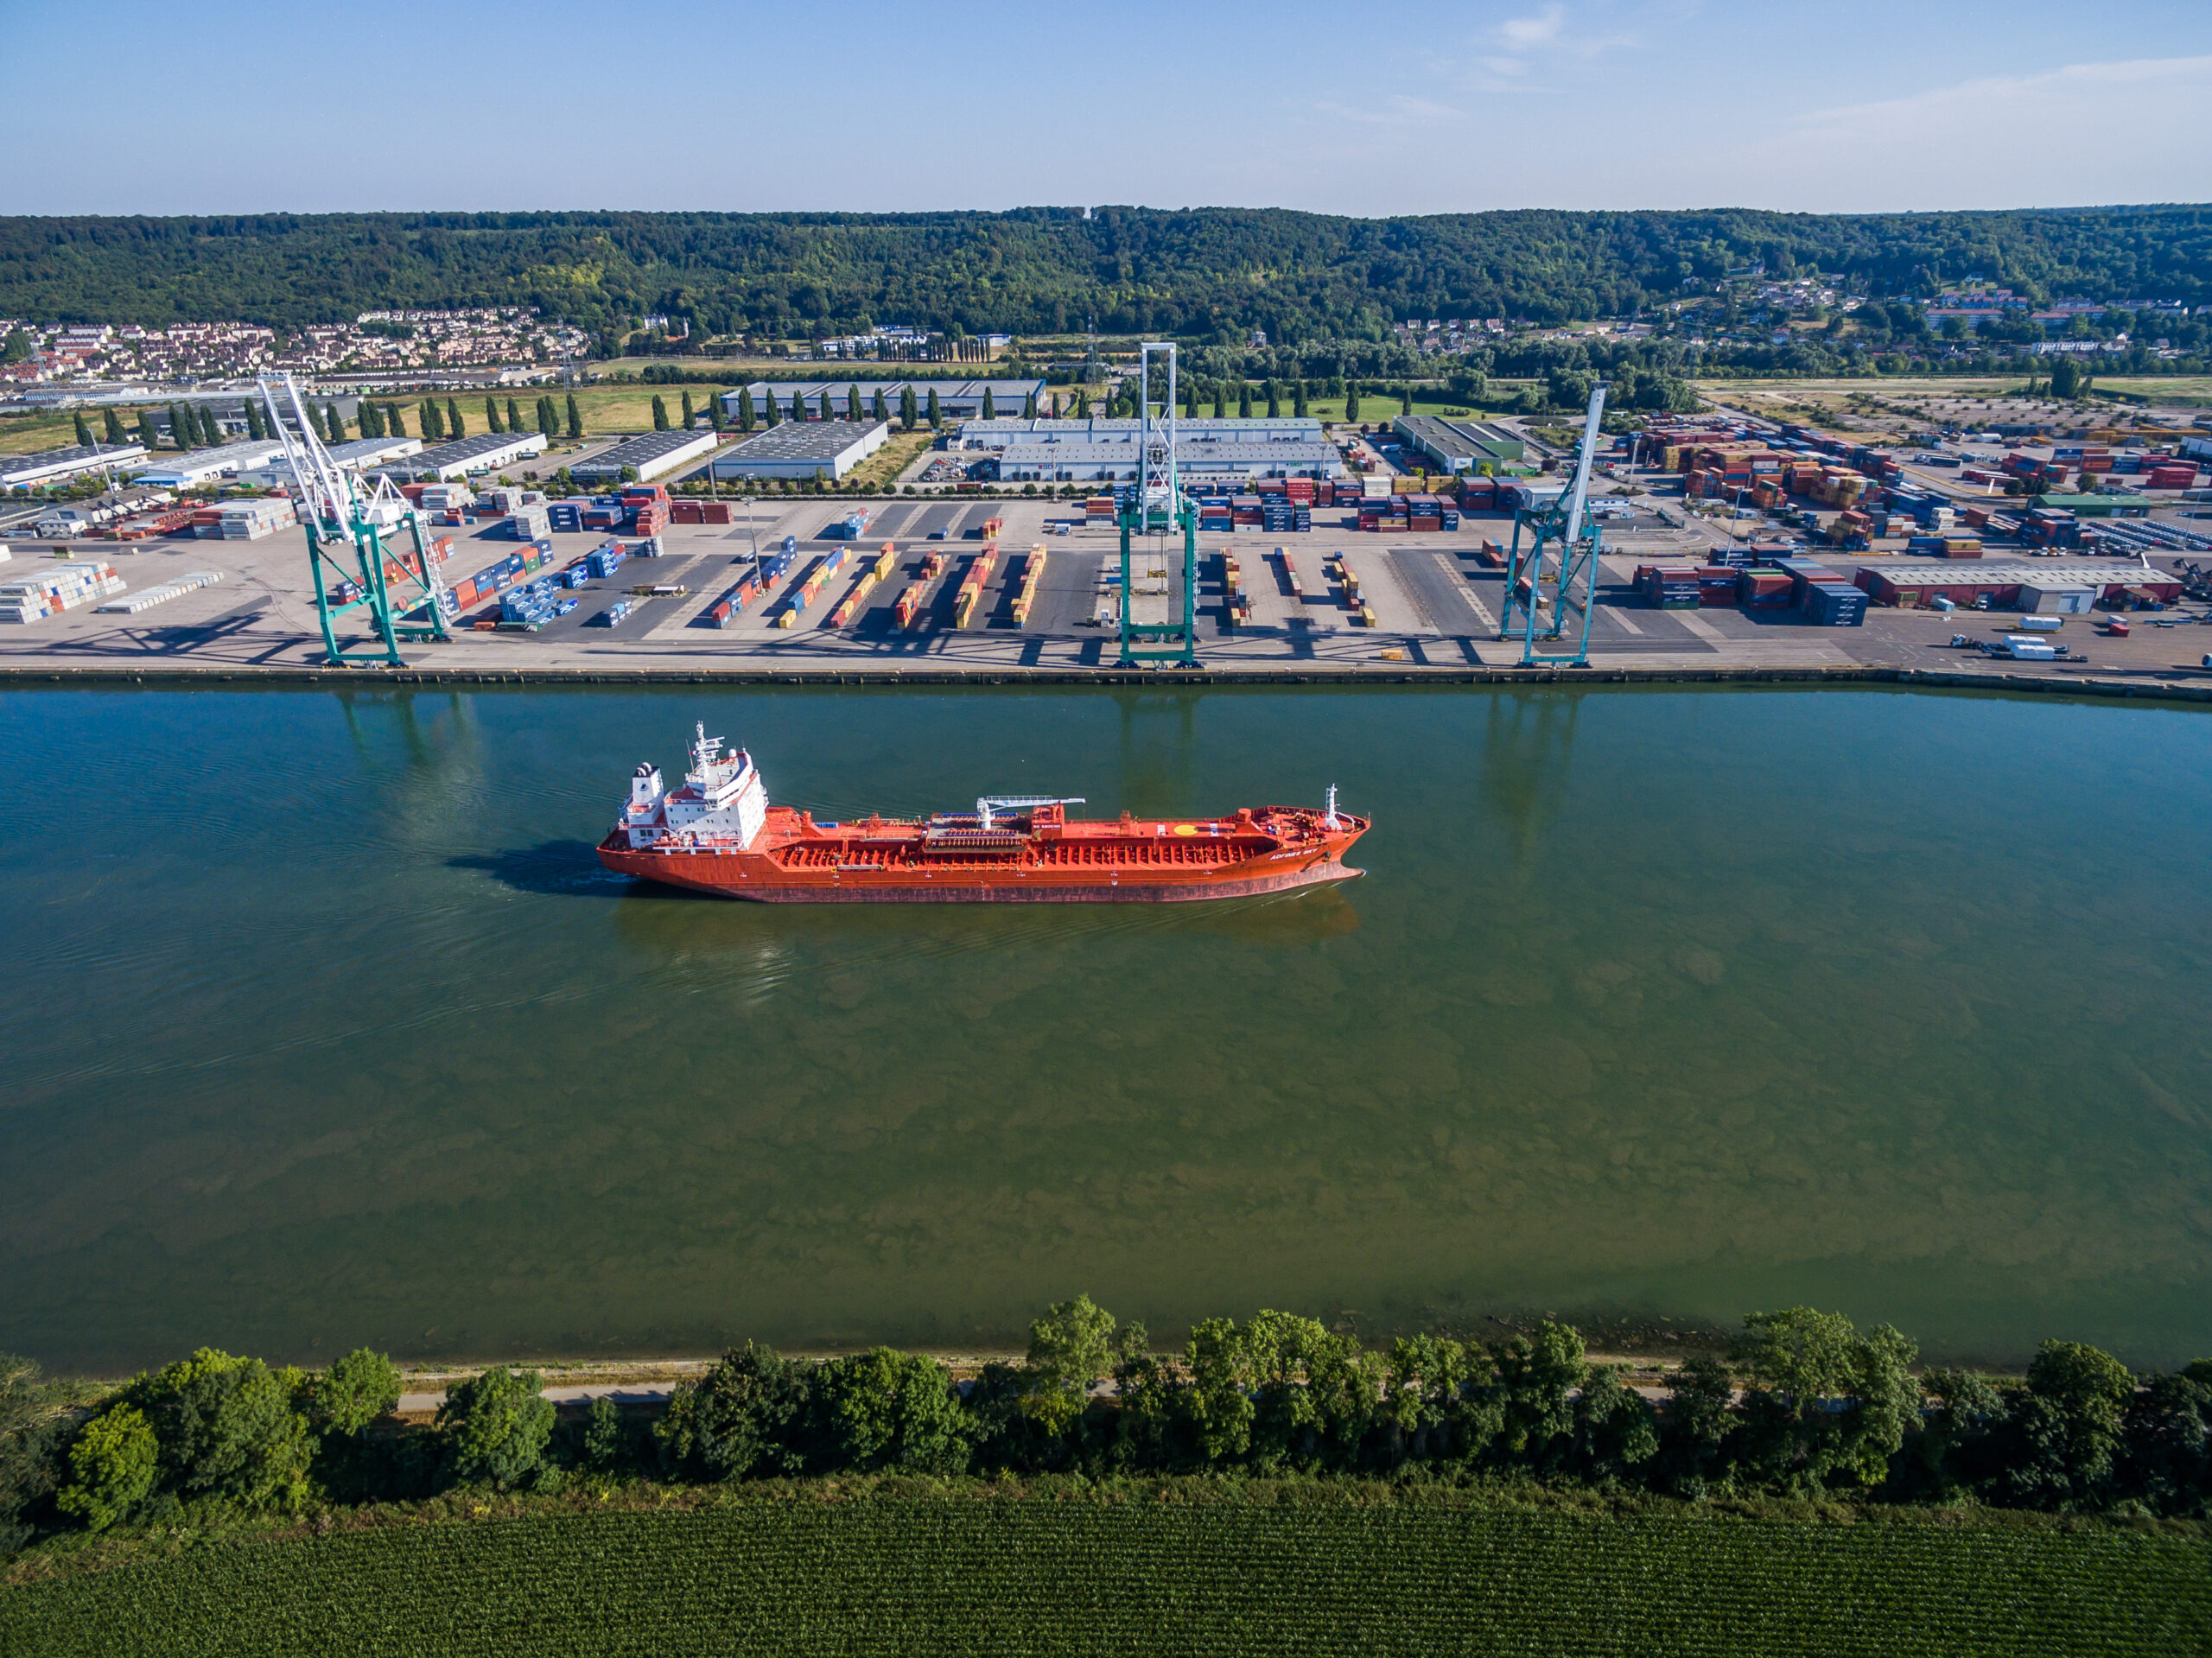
(1801, 1408)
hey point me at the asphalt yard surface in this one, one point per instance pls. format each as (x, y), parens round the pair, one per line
(1434, 603)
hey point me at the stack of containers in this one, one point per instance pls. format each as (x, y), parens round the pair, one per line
(1280, 515)
(603, 559)
(1097, 508)
(1492, 553)
(1247, 511)
(1834, 603)
(932, 566)
(600, 515)
(1716, 586)
(1478, 495)
(528, 606)
(1763, 589)
(147, 598)
(1669, 587)
(1424, 514)
(650, 547)
(567, 516)
(909, 605)
(2172, 474)
(1031, 572)
(253, 520)
(1214, 515)
(531, 523)
(63, 587)
(851, 527)
(777, 564)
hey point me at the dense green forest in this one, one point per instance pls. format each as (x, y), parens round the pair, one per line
(1197, 274)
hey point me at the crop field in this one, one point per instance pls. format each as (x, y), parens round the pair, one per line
(1038, 1576)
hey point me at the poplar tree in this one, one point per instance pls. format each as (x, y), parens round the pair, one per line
(824, 402)
(906, 413)
(744, 408)
(773, 414)
(336, 422)
(394, 420)
(514, 417)
(715, 416)
(491, 421)
(1297, 398)
(549, 418)
(1352, 400)
(1406, 399)
(148, 437)
(1220, 401)
(434, 418)
(937, 419)
(183, 432)
(1029, 407)
(209, 431)
(1275, 401)
(84, 431)
(690, 413)
(372, 421)
(1081, 405)
(876, 410)
(1190, 400)
(575, 416)
(852, 403)
(1244, 400)
(660, 414)
(114, 423)
(990, 409)
(454, 426)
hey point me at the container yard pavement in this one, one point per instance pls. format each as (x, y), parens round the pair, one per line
(1436, 609)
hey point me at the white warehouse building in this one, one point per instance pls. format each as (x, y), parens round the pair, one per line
(192, 467)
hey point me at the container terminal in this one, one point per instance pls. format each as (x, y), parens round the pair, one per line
(1853, 561)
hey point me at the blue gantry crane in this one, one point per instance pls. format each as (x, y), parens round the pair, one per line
(1558, 571)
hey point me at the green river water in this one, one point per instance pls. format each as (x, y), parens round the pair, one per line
(324, 1026)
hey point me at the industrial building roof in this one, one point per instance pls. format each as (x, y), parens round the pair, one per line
(465, 454)
(649, 453)
(368, 451)
(24, 469)
(1000, 433)
(1456, 441)
(805, 440)
(191, 464)
(1973, 572)
(1189, 452)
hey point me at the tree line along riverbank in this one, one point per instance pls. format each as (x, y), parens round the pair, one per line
(1801, 1405)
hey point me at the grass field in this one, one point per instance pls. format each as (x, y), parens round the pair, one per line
(921, 1574)
(24, 433)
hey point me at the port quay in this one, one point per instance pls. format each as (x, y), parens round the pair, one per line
(1424, 606)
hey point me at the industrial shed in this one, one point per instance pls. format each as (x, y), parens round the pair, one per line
(801, 449)
(653, 456)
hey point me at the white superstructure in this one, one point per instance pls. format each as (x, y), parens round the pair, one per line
(722, 800)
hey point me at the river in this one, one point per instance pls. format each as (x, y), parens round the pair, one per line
(324, 1026)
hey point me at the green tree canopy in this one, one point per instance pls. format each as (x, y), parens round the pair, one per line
(496, 1425)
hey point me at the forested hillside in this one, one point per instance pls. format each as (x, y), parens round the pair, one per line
(1210, 271)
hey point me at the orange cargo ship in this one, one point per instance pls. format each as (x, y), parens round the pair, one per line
(718, 834)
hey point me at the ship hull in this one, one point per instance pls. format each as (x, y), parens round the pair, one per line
(720, 876)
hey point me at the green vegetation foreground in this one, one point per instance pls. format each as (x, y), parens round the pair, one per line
(1275, 1487)
(1174, 1569)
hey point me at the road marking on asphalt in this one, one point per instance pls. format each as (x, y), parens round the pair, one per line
(1451, 568)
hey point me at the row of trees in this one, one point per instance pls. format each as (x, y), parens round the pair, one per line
(1207, 273)
(1804, 1405)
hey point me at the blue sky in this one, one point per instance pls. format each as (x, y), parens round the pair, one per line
(235, 107)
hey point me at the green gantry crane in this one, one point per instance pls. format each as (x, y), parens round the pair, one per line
(398, 588)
